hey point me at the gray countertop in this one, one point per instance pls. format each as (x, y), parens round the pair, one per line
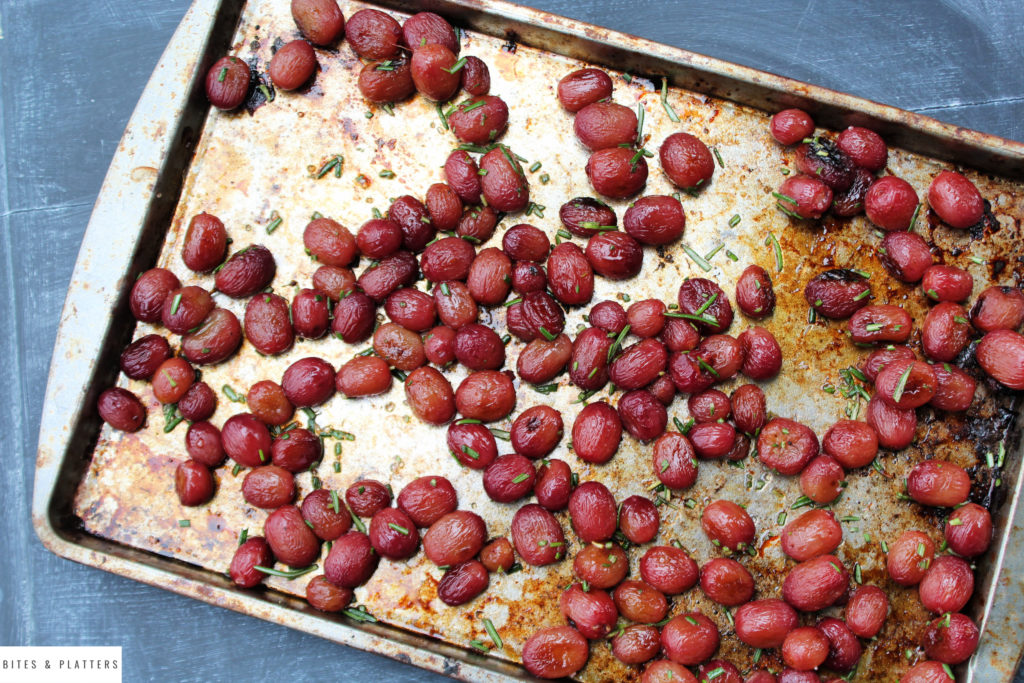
(70, 74)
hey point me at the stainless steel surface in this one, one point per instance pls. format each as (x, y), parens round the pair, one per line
(150, 146)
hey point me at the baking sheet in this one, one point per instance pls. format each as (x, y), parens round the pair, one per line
(250, 165)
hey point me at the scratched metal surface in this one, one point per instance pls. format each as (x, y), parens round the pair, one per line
(29, 589)
(249, 165)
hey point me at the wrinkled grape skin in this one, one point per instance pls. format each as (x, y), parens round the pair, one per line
(555, 652)
(319, 20)
(462, 583)
(576, 215)
(386, 85)
(476, 77)
(811, 197)
(186, 308)
(689, 638)
(455, 538)
(956, 200)
(613, 173)
(596, 433)
(593, 512)
(227, 83)
(268, 324)
(585, 86)
(246, 272)
(764, 623)
(205, 243)
(428, 28)
(969, 530)
(838, 293)
(532, 524)
(755, 295)
(430, 72)
(866, 611)
(687, 161)
(504, 186)
(372, 34)
(814, 533)
(149, 292)
(509, 478)
(605, 124)
(790, 126)
(1001, 355)
(553, 485)
(142, 357)
(865, 147)
(430, 395)
(591, 611)
(308, 382)
(121, 409)
(655, 219)
(292, 65)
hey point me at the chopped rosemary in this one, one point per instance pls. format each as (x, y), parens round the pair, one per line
(456, 66)
(706, 367)
(358, 523)
(493, 633)
(901, 385)
(359, 614)
(232, 395)
(707, 304)
(333, 164)
(708, 256)
(294, 573)
(275, 222)
(664, 102)
(614, 348)
(774, 242)
(172, 418)
(802, 501)
(913, 219)
(687, 316)
(704, 265)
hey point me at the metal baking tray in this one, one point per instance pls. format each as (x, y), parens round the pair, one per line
(105, 499)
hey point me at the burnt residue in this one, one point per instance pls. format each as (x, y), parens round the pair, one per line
(261, 89)
(988, 224)
(511, 43)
